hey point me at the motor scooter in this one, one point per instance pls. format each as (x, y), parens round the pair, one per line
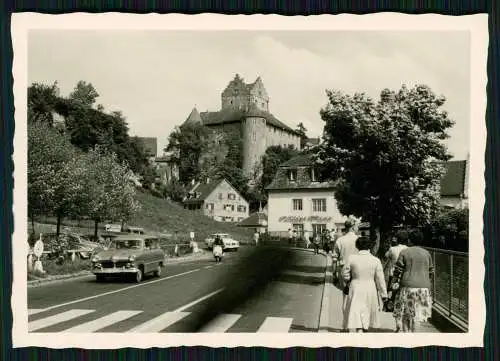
(218, 253)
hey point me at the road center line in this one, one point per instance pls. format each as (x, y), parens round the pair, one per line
(185, 307)
(117, 291)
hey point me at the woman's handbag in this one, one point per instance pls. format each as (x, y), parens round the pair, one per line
(346, 289)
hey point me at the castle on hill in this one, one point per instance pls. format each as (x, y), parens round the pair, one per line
(245, 113)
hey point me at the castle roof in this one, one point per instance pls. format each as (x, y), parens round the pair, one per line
(230, 115)
(238, 84)
(193, 117)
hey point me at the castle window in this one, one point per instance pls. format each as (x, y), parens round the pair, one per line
(229, 207)
(242, 209)
(220, 195)
(292, 175)
(231, 196)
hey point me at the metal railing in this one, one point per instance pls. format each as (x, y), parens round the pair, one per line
(450, 285)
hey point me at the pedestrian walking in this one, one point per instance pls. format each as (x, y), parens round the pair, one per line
(412, 280)
(256, 237)
(290, 236)
(365, 291)
(308, 241)
(398, 243)
(317, 241)
(345, 246)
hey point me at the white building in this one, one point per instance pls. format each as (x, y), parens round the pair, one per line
(298, 201)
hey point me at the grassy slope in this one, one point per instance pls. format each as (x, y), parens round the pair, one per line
(168, 217)
(160, 215)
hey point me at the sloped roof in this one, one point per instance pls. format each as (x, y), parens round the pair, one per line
(302, 163)
(301, 160)
(257, 219)
(193, 117)
(149, 144)
(229, 115)
(453, 181)
(204, 189)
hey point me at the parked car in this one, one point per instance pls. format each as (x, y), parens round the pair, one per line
(68, 243)
(133, 255)
(229, 242)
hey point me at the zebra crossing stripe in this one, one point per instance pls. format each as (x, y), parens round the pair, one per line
(52, 320)
(160, 322)
(221, 323)
(102, 322)
(276, 325)
(34, 311)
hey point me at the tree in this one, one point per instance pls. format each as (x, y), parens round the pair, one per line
(301, 129)
(42, 101)
(187, 144)
(84, 93)
(111, 195)
(273, 157)
(386, 156)
(55, 173)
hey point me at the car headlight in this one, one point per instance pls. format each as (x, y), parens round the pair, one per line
(131, 258)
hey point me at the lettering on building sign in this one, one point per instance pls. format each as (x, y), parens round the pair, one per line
(298, 219)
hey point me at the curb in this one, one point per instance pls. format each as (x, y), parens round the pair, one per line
(324, 317)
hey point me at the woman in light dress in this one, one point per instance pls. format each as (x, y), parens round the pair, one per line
(367, 289)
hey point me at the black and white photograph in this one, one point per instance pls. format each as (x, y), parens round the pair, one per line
(281, 181)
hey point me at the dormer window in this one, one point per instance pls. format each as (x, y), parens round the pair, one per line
(313, 175)
(292, 175)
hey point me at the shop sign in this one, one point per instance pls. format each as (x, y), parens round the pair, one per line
(299, 219)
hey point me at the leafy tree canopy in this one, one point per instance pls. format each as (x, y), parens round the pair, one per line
(386, 155)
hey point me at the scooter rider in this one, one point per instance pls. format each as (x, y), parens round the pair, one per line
(218, 249)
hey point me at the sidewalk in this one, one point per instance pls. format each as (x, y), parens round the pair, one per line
(331, 309)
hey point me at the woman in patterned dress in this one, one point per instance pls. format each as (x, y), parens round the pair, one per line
(412, 275)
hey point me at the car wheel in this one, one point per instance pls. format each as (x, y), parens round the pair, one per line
(138, 275)
(157, 273)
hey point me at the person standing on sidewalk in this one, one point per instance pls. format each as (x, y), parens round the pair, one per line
(366, 291)
(256, 237)
(317, 241)
(345, 246)
(412, 280)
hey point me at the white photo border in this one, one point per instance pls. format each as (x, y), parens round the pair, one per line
(477, 25)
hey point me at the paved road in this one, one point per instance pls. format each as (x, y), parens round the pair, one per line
(291, 303)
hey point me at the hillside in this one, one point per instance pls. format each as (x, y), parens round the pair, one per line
(157, 215)
(164, 216)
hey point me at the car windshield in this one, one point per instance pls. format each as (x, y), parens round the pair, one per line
(125, 244)
(222, 235)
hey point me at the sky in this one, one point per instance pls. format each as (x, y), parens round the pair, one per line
(156, 77)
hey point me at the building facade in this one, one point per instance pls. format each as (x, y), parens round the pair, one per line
(298, 201)
(217, 199)
(245, 115)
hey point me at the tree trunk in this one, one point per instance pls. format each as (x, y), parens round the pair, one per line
(58, 226)
(96, 224)
(33, 227)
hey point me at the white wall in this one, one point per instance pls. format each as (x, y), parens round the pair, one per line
(280, 205)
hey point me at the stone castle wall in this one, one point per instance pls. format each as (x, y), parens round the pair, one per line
(254, 142)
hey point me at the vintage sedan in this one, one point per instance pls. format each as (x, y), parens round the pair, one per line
(229, 242)
(134, 255)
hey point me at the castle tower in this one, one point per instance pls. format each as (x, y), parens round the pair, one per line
(239, 95)
(193, 118)
(254, 131)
